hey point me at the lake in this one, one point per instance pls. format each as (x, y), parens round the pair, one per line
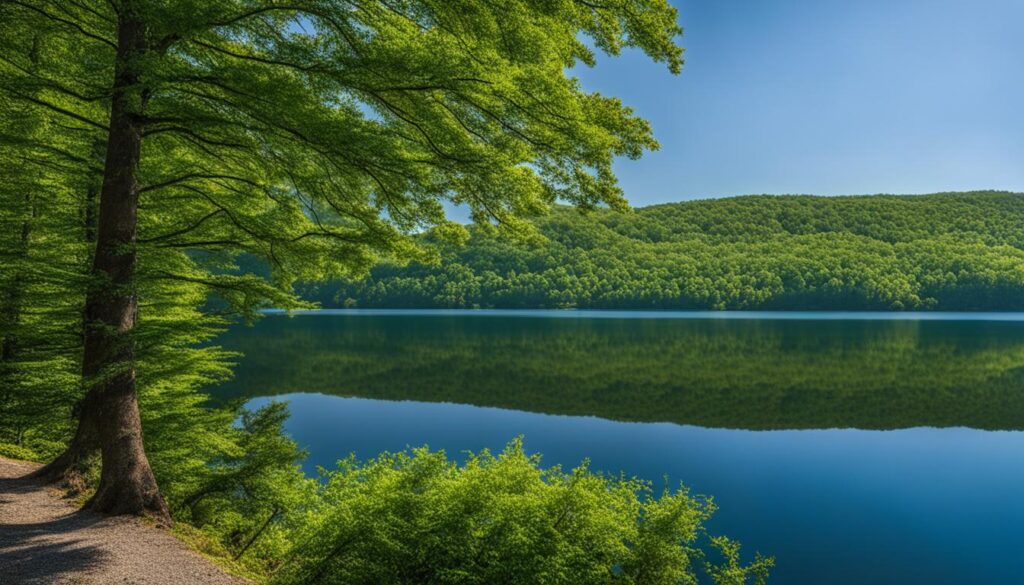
(854, 447)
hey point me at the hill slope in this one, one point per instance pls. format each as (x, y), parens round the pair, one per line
(947, 251)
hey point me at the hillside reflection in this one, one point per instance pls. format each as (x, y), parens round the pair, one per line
(750, 374)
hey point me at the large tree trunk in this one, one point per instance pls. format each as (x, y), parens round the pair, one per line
(110, 411)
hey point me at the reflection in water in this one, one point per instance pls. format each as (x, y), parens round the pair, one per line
(841, 506)
(751, 374)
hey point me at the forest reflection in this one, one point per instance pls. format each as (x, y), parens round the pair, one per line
(749, 374)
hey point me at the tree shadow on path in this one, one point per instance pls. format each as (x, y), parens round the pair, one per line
(50, 550)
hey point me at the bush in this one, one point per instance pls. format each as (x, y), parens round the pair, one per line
(12, 451)
(418, 517)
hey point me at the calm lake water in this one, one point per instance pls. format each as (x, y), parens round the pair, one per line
(854, 447)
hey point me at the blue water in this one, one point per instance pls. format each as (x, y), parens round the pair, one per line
(854, 447)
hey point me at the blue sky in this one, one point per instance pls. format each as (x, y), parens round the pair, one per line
(829, 97)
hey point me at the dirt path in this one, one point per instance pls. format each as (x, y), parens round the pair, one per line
(44, 540)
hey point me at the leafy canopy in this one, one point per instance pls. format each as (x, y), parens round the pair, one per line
(320, 134)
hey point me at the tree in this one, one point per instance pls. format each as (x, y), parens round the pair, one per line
(47, 194)
(319, 135)
(947, 251)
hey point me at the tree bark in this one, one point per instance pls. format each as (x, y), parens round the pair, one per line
(110, 410)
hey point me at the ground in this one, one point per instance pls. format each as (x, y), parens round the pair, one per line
(45, 539)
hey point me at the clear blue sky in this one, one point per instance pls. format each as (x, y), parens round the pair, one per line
(829, 97)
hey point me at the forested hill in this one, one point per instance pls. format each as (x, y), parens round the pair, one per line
(947, 251)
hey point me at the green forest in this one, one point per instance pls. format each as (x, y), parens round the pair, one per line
(150, 150)
(946, 251)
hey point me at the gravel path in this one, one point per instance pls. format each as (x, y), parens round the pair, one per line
(44, 539)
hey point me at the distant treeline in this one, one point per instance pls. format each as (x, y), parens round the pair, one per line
(947, 251)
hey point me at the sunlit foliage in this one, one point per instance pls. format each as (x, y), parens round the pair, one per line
(957, 251)
(311, 139)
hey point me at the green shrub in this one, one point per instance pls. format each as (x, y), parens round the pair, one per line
(418, 517)
(12, 451)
